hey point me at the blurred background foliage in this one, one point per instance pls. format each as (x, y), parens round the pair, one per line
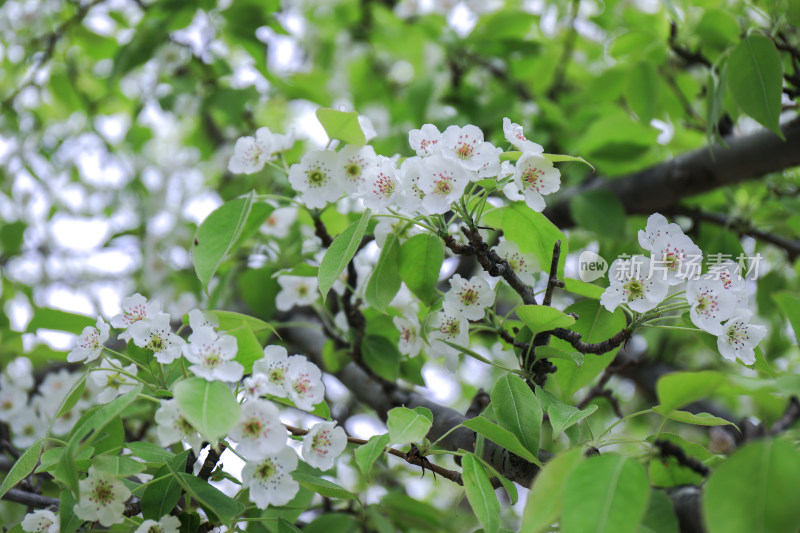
(118, 117)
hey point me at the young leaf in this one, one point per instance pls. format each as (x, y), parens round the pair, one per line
(518, 410)
(368, 453)
(660, 517)
(24, 466)
(211, 498)
(542, 318)
(606, 494)
(209, 406)
(681, 388)
(755, 78)
(544, 501)
(699, 419)
(480, 494)
(563, 416)
(322, 486)
(162, 494)
(420, 260)
(408, 425)
(501, 437)
(341, 251)
(384, 282)
(222, 231)
(341, 125)
(381, 356)
(755, 490)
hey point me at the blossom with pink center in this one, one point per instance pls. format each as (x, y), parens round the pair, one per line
(467, 147)
(515, 136)
(469, 297)
(739, 338)
(156, 334)
(212, 356)
(90, 343)
(315, 178)
(173, 427)
(269, 479)
(410, 340)
(379, 186)
(102, 499)
(259, 431)
(354, 163)
(40, 520)
(523, 265)
(442, 182)
(256, 385)
(657, 226)
(410, 195)
(274, 365)
(304, 383)
(728, 273)
(451, 327)
(675, 258)
(165, 524)
(134, 309)
(426, 140)
(535, 176)
(710, 303)
(633, 284)
(323, 444)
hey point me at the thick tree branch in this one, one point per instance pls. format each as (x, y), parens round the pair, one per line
(660, 188)
(30, 499)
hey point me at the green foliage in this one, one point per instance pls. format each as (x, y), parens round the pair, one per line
(755, 78)
(420, 260)
(209, 406)
(408, 425)
(340, 253)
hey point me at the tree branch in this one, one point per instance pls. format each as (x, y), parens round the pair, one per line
(30, 499)
(660, 188)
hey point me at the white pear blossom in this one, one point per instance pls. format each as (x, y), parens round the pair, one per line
(198, 319)
(675, 258)
(256, 385)
(112, 382)
(102, 498)
(304, 383)
(354, 163)
(739, 337)
(425, 141)
(18, 373)
(379, 186)
(12, 399)
(732, 280)
(27, 426)
(405, 301)
(450, 327)
(710, 303)
(657, 226)
(41, 520)
(259, 431)
(467, 147)
(411, 195)
(523, 265)
(323, 443)
(156, 335)
(410, 338)
(279, 222)
(269, 479)
(274, 365)
(469, 297)
(212, 356)
(514, 135)
(250, 154)
(165, 524)
(314, 177)
(441, 183)
(535, 176)
(296, 291)
(134, 309)
(633, 283)
(173, 427)
(90, 343)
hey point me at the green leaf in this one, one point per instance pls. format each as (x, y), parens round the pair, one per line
(755, 490)
(420, 261)
(678, 389)
(229, 320)
(341, 252)
(368, 453)
(322, 486)
(789, 303)
(385, 281)
(96, 420)
(408, 425)
(501, 437)
(11, 237)
(643, 90)
(554, 353)
(480, 494)
(508, 485)
(22, 467)
(209, 406)
(660, 517)
(699, 419)
(542, 318)
(223, 231)
(248, 349)
(163, 493)
(559, 158)
(224, 507)
(533, 232)
(68, 522)
(581, 288)
(518, 410)
(341, 125)
(381, 355)
(117, 465)
(601, 212)
(563, 416)
(606, 494)
(152, 453)
(755, 78)
(59, 320)
(544, 501)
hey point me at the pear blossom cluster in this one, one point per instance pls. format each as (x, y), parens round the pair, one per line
(717, 299)
(250, 154)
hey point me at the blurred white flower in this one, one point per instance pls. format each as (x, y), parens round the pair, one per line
(166, 524)
(89, 345)
(41, 520)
